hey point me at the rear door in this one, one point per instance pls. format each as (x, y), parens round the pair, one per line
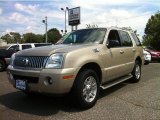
(128, 49)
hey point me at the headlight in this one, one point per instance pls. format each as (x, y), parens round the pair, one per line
(55, 61)
(12, 59)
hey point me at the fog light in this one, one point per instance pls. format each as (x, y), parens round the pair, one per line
(48, 81)
(10, 76)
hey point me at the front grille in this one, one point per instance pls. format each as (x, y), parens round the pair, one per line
(30, 61)
(26, 78)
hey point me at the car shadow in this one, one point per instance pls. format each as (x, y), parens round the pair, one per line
(38, 105)
(42, 105)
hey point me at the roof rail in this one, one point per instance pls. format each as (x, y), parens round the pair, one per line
(127, 28)
(123, 28)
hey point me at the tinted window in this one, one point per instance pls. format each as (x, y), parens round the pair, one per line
(39, 45)
(125, 39)
(26, 47)
(85, 36)
(137, 41)
(14, 47)
(113, 39)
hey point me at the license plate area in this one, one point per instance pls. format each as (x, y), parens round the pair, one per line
(21, 84)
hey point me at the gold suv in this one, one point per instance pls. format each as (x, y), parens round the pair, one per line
(85, 61)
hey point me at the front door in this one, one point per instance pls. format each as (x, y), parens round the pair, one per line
(115, 61)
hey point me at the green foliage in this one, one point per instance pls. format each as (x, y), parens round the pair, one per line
(53, 35)
(152, 32)
(29, 37)
(33, 38)
(12, 37)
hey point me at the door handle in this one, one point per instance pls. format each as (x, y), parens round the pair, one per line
(134, 50)
(121, 51)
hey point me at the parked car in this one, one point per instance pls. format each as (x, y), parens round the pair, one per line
(5, 54)
(147, 57)
(86, 60)
(155, 54)
(24, 46)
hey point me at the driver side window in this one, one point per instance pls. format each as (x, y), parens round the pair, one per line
(113, 39)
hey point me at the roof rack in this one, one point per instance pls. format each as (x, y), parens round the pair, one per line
(123, 28)
(127, 28)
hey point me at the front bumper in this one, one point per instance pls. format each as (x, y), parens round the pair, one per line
(60, 85)
(155, 57)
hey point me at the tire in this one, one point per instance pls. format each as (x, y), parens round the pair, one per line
(136, 72)
(86, 89)
(2, 65)
(146, 63)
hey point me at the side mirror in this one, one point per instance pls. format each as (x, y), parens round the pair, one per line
(113, 43)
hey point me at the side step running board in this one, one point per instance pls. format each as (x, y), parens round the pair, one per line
(116, 81)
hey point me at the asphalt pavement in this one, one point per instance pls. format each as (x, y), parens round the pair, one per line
(126, 101)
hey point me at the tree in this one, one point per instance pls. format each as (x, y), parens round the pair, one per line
(12, 37)
(53, 35)
(33, 38)
(29, 37)
(152, 32)
(40, 38)
(7, 38)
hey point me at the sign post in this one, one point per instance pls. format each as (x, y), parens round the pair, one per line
(74, 17)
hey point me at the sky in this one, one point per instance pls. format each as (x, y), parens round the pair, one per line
(25, 16)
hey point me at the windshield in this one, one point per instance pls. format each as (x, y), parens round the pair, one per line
(85, 36)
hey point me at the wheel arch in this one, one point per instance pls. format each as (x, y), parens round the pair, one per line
(139, 60)
(93, 66)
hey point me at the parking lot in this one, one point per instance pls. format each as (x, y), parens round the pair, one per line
(126, 101)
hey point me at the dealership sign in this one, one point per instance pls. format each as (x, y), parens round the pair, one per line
(74, 16)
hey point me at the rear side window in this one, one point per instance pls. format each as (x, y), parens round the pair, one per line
(137, 41)
(113, 39)
(26, 47)
(125, 39)
(39, 45)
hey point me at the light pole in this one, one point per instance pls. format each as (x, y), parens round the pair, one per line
(45, 22)
(65, 27)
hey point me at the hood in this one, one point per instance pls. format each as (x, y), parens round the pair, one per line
(48, 50)
(156, 51)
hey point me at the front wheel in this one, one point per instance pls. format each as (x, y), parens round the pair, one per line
(136, 72)
(86, 88)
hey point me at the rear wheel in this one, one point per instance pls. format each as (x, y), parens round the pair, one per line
(86, 88)
(2, 65)
(136, 72)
